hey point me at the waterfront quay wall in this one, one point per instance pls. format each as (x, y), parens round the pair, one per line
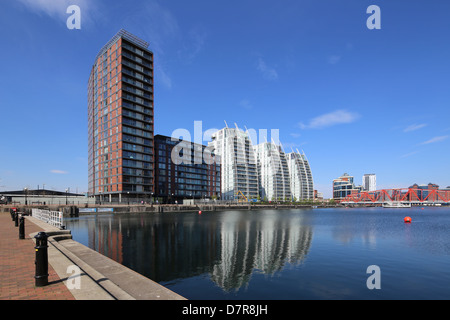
(71, 210)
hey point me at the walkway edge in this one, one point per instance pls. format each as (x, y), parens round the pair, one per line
(64, 252)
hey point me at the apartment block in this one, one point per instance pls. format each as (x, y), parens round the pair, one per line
(121, 121)
(185, 170)
(301, 179)
(273, 172)
(238, 164)
(369, 182)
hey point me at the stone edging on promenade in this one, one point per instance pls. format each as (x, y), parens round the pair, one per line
(101, 278)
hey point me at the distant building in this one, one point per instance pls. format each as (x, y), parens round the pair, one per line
(183, 171)
(344, 186)
(423, 191)
(318, 195)
(369, 182)
(44, 197)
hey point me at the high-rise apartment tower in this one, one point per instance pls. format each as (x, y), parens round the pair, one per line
(273, 172)
(238, 164)
(302, 183)
(120, 121)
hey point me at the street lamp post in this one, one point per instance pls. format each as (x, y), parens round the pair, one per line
(66, 195)
(26, 194)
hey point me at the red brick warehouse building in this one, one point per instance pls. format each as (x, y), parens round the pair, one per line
(121, 121)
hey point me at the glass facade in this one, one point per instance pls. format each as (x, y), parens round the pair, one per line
(185, 170)
(344, 186)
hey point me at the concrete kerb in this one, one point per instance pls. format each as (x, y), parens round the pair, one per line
(64, 252)
(61, 259)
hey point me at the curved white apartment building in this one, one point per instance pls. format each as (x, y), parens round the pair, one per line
(302, 185)
(263, 170)
(238, 164)
(273, 172)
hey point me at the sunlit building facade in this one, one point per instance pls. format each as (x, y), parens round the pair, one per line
(238, 164)
(120, 121)
(344, 186)
(273, 172)
(369, 182)
(301, 179)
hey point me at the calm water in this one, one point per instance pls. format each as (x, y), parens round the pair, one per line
(284, 254)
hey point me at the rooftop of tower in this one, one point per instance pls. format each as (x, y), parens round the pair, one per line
(127, 36)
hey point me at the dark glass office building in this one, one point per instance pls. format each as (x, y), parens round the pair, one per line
(185, 170)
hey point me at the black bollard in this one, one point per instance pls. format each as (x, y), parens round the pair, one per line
(16, 219)
(22, 228)
(41, 276)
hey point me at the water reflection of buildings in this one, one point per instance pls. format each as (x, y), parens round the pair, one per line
(264, 245)
(230, 247)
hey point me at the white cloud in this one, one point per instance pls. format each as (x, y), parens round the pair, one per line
(55, 8)
(267, 72)
(164, 78)
(295, 135)
(331, 119)
(409, 154)
(246, 104)
(334, 59)
(415, 127)
(435, 139)
(154, 23)
(58, 171)
(194, 43)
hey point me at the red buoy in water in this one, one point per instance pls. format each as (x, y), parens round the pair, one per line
(407, 219)
(199, 212)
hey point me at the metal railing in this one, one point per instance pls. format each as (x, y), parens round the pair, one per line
(54, 218)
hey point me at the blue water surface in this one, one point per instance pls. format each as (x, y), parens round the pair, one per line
(281, 254)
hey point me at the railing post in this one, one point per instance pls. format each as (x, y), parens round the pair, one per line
(22, 228)
(41, 275)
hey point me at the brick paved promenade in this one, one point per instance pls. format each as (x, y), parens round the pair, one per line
(17, 268)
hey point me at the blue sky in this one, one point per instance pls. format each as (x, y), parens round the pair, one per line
(355, 100)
